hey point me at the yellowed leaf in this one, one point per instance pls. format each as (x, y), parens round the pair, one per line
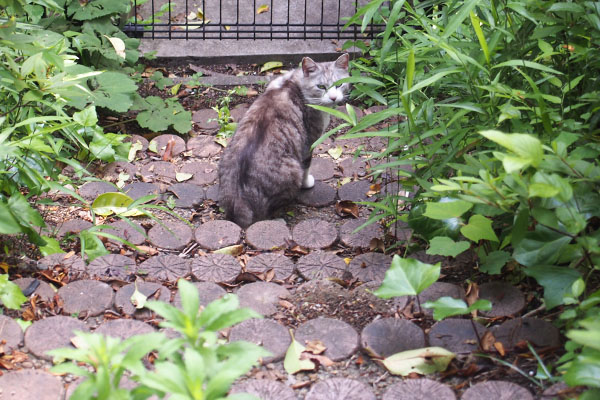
(262, 9)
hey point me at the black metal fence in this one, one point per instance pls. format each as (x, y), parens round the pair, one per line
(246, 19)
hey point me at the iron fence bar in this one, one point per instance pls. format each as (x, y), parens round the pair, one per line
(186, 20)
(169, 4)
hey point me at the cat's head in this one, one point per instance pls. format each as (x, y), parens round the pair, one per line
(317, 81)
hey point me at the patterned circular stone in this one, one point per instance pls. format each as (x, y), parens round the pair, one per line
(203, 146)
(158, 170)
(112, 266)
(362, 238)
(437, 290)
(214, 235)
(262, 297)
(206, 119)
(280, 264)
(340, 389)
(418, 389)
(239, 111)
(73, 264)
(153, 291)
(135, 139)
(203, 173)
(117, 169)
(456, 335)
(52, 333)
(215, 268)
(93, 189)
(322, 168)
(30, 384)
(165, 267)
(134, 234)
(268, 235)
(187, 195)
(315, 234)
(140, 189)
(123, 328)
(207, 293)
(340, 339)
(171, 235)
(73, 226)
(355, 191)
(264, 389)
(31, 286)
(86, 297)
(388, 336)
(267, 333)
(160, 143)
(321, 264)
(320, 195)
(212, 192)
(11, 333)
(500, 390)
(370, 267)
(515, 332)
(353, 166)
(506, 299)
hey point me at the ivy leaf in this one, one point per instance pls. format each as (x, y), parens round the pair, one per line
(430, 228)
(447, 208)
(52, 246)
(10, 293)
(494, 262)
(445, 307)
(444, 246)
(158, 115)
(114, 90)
(556, 281)
(540, 247)
(87, 117)
(421, 361)
(407, 276)
(479, 228)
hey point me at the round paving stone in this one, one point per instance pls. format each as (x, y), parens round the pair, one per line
(340, 389)
(214, 235)
(280, 264)
(268, 235)
(438, 290)
(362, 238)
(355, 191)
(93, 189)
(515, 332)
(340, 339)
(135, 139)
(321, 264)
(267, 333)
(203, 146)
(315, 234)
(322, 168)
(52, 333)
(158, 171)
(73, 226)
(206, 119)
(506, 299)
(203, 173)
(135, 234)
(152, 290)
(264, 389)
(136, 190)
(86, 297)
(171, 235)
(239, 111)
(387, 336)
(456, 335)
(118, 169)
(123, 328)
(30, 384)
(112, 266)
(353, 167)
(215, 268)
(31, 286)
(320, 195)
(73, 264)
(497, 390)
(370, 267)
(207, 293)
(187, 195)
(11, 333)
(160, 144)
(212, 193)
(418, 389)
(262, 297)
(165, 267)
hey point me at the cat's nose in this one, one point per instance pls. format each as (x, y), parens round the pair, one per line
(333, 96)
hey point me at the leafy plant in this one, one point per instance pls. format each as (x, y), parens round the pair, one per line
(10, 294)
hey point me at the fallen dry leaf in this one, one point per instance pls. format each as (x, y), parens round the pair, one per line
(500, 348)
(262, 9)
(315, 347)
(323, 360)
(472, 293)
(487, 341)
(147, 249)
(347, 207)
(299, 250)
(377, 244)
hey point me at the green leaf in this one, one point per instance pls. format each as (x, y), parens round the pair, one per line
(527, 64)
(566, 7)
(86, 117)
(138, 299)
(292, 362)
(479, 228)
(52, 246)
(542, 190)
(335, 152)
(448, 208)
(584, 371)
(430, 228)
(444, 246)
(445, 307)
(271, 65)
(494, 262)
(114, 203)
(475, 21)
(158, 114)
(424, 361)
(91, 246)
(407, 277)
(526, 147)
(540, 247)
(458, 17)
(556, 281)
(10, 294)
(114, 91)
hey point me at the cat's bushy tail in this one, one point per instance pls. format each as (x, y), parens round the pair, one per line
(240, 212)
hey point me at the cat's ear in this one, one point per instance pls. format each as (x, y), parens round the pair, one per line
(308, 66)
(342, 61)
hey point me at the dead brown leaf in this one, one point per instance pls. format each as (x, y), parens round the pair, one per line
(148, 250)
(300, 250)
(286, 304)
(377, 244)
(487, 341)
(323, 360)
(315, 347)
(500, 348)
(347, 207)
(374, 189)
(472, 293)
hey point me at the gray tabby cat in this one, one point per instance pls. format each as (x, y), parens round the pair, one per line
(267, 162)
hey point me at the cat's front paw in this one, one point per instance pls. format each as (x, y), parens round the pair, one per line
(309, 182)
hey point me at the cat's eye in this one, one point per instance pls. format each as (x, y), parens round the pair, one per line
(322, 87)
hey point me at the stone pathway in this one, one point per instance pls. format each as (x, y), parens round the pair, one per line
(296, 270)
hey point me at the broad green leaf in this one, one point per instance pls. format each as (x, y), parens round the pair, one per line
(271, 65)
(10, 294)
(430, 228)
(584, 371)
(91, 246)
(525, 146)
(407, 277)
(494, 262)
(479, 228)
(588, 336)
(556, 281)
(335, 152)
(540, 247)
(424, 361)
(114, 203)
(8, 223)
(447, 209)
(445, 307)
(52, 246)
(566, 7)
(542, 190)
(292, 362)
(444, 246)
(86, 117)
(564, 191)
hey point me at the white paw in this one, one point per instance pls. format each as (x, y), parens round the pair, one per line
(309, 182)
